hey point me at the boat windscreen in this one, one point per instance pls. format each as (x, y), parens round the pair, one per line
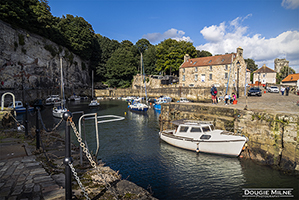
(184, 128)
(212, 127)
(206, 129)
(195, 129)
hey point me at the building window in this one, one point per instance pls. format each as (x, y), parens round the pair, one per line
(183, 70)
(183, 77)
(195, 69)
(226, 75)
(203, 78)
(226, 67)
(211, 68)
(196, 77)
(183, 84)
(264, 75)
(211, 76)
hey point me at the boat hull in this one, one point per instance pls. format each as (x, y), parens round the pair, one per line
(231, 147)
(59, 112)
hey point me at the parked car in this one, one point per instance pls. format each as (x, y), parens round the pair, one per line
(255, 91)
(273, 89)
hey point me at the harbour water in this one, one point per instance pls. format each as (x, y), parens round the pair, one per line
(132, 147)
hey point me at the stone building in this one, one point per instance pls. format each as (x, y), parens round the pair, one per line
(227, 71)
(264, 75)
(279, 63)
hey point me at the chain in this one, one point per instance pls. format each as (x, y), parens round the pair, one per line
(14, 118)
(88, 155)
(78, 180)
(42, 122)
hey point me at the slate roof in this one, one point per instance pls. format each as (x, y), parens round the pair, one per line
(211, 60)
(264, 69)
(291, 78)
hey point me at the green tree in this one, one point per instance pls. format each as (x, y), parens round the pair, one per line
(79, 35)
(142, 45)
(108, 47)
(251, 66)
(284, 72)
(170, 55)
(121, 67)
(203, 53)
(149, 61)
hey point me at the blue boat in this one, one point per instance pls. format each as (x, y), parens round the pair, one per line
(160, 100)
(19, 108)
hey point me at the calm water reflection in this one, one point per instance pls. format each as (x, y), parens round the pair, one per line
(132, 146)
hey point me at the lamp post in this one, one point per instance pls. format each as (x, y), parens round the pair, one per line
(238, 69)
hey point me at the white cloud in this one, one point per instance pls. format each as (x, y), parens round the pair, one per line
(256, 47)
(171, 33)
(290, 4)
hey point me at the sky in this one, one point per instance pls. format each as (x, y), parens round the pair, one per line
(265, 29)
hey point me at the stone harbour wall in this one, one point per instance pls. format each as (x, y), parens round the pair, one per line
(197, 94)
(273, 138)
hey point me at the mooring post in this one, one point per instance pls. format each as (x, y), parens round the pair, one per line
(68, 158)
(26, 121)
(37, 131)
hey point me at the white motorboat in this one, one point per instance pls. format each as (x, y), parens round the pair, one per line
(201, 136)
(183, 100)
(94, 103)
(52, 99)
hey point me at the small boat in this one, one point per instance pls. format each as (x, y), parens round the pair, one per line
(183, 100)
(74, 98)
(59, 108)
(138, 106)
(19, 108)
(52, 99)
(94, 103)
(58, 111)
(160, 100)
(201, 136)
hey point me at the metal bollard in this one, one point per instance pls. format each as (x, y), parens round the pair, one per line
(26, 121)
(68, 158)
(37, 131)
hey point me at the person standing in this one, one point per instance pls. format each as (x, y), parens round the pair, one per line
(287, 91)
(282, 89)
(226, 98)
(213, 94)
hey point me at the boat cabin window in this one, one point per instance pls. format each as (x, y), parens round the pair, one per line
(184, 128)
(205, 137)
(195, 129)
(206, 129)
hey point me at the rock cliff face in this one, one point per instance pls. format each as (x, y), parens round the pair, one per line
(31, 62)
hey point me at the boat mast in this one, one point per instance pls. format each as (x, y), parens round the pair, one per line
(92, 85)
(141, 60)
(142, 68)
(61, 83)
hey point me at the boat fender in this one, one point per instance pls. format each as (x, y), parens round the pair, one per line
(197, 149)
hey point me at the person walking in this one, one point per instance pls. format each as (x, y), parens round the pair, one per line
(282, 89)
(213, 92)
